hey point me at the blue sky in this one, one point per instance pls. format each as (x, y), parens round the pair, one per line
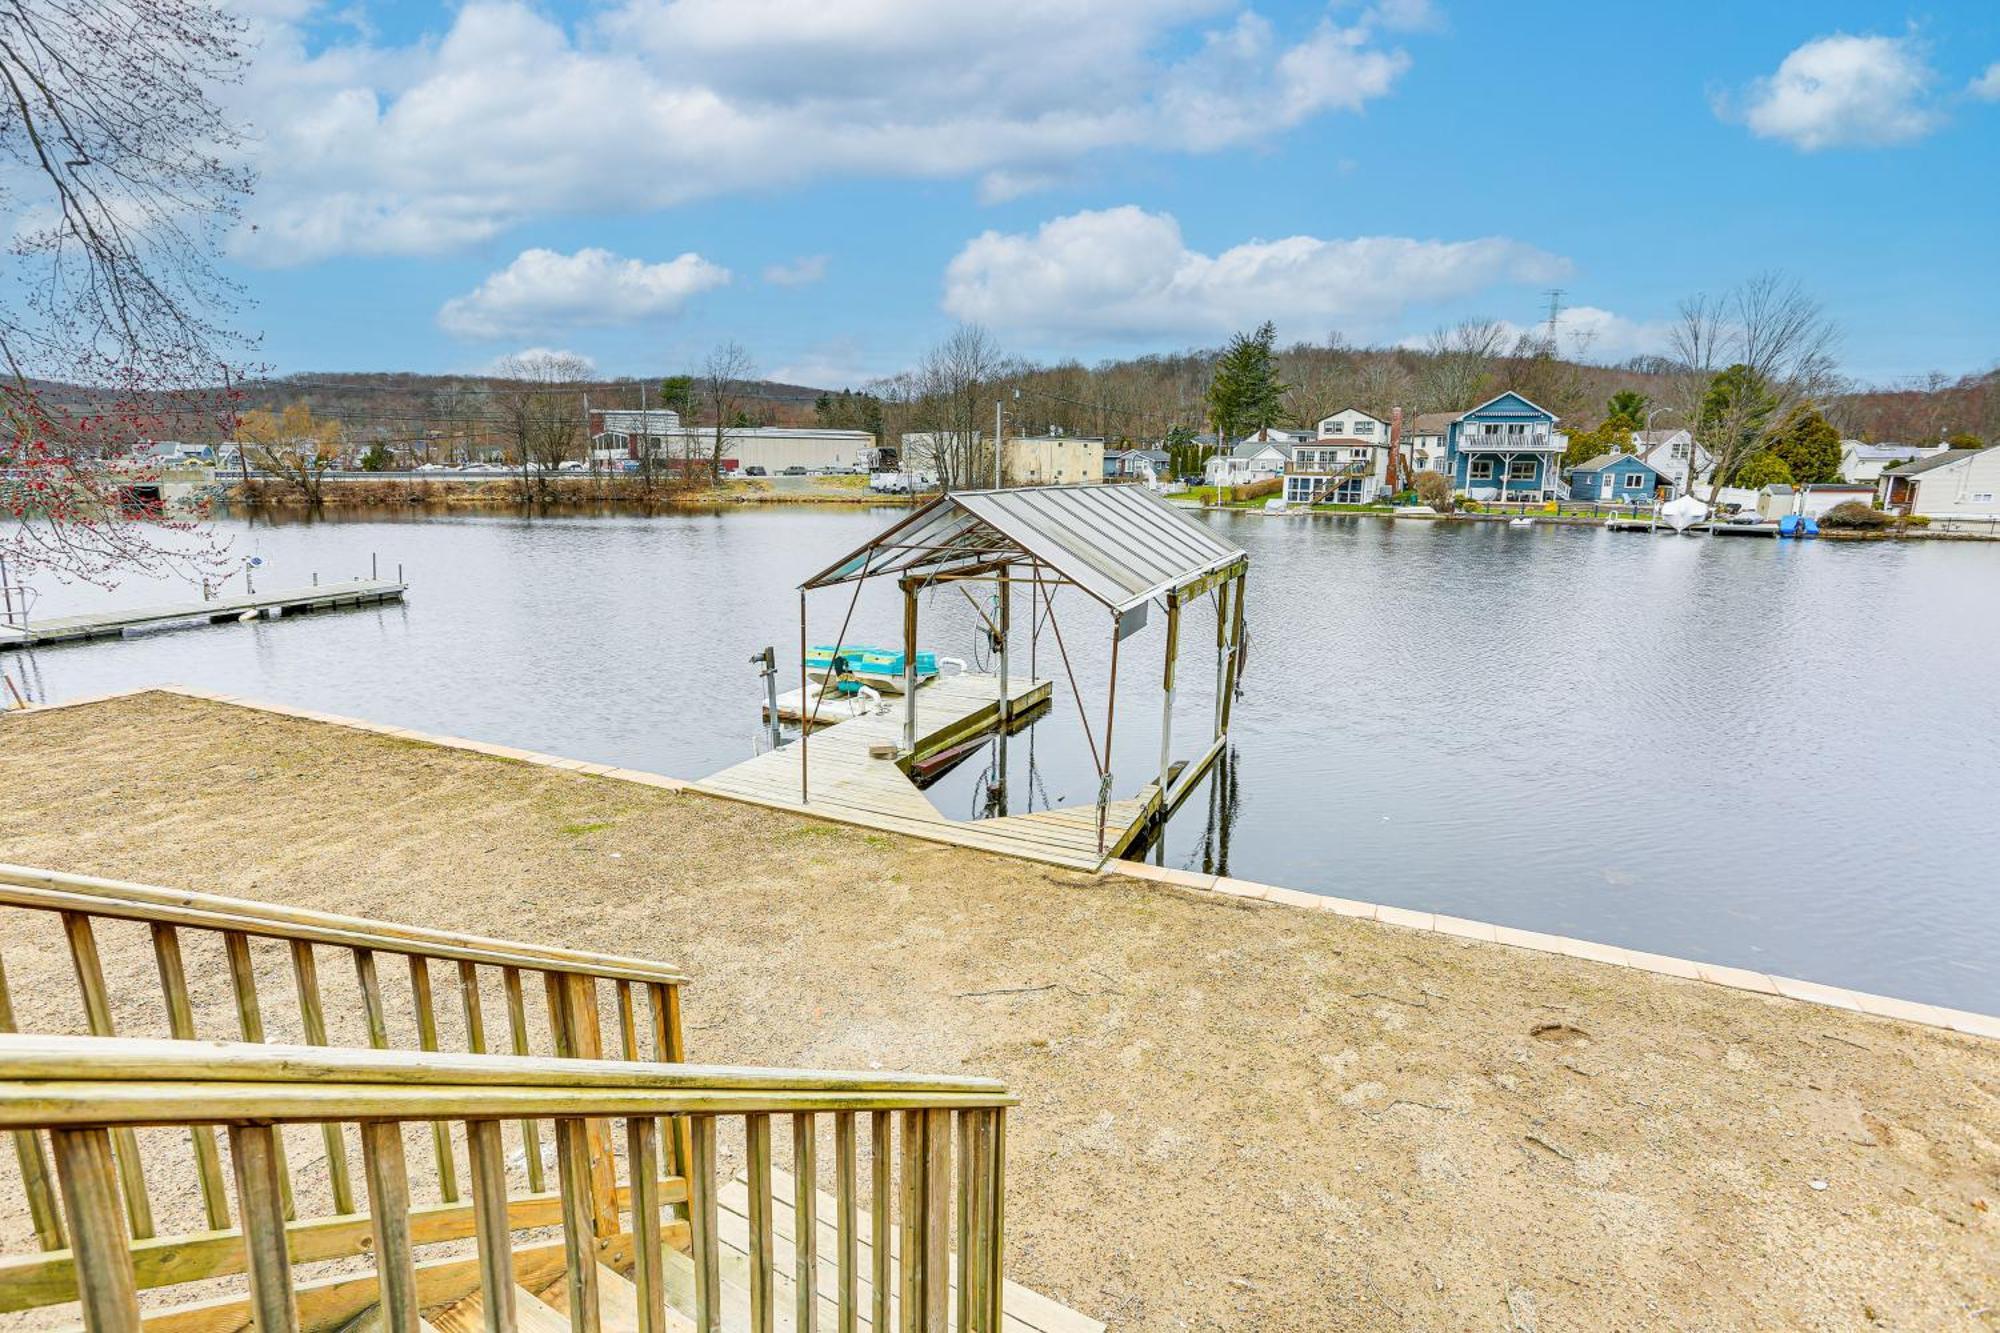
(836, 185)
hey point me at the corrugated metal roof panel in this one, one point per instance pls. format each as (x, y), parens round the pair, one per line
(1120, 544)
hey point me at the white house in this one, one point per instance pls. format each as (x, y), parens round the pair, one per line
(1867, 462)
(1424, 443)
(1675, 455)
(1254, 459)
(1954, 488)
(1347, 460)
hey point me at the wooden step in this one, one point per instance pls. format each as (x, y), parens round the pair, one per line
(618, 1303)
(531, 1315)
(374, 1321)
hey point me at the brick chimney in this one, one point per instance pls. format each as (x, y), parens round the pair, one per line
(1395, 449)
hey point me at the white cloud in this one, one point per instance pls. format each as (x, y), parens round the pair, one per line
(1124, 272)
(1843, 91)
(510, 115)
(1987, 86)
(543, 289)
(801, 272)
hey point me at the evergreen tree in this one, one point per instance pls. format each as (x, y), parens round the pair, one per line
(1627, 408)
(1808, 444)
(1762, 469)
(1245, 393)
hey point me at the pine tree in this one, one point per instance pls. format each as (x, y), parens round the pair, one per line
(1245, 393)
(1809, 445)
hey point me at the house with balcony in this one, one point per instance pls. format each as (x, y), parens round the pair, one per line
(1259, 458)
(1346, 462)
(1507, 448)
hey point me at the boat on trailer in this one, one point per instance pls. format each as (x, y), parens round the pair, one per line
(878, 668)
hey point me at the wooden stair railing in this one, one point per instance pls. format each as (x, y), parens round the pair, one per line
(559, 1017)
(935, 1175)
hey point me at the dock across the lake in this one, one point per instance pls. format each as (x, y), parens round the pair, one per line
(220, 610)
(843, 782)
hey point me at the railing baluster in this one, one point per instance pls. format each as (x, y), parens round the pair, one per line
(847, 1222)
(484, 1146)
(666, 1012)
(805, 1221)
(937, 1218)
(572, 1002)
(312, 1016)
(909, 1225)
(427, 1039)
(371, 998)
(517, 1022)
(180, 1025)
(250, 1022)
(103, 1254)
(97, 1011)
(389, 1218)
(763, 1271)
(642, 1155)
(475, 1016)
(702, 1225)
(573, 1169)
(628, 1022)
(36, 1181)
(881, 1166)
(253, 1150)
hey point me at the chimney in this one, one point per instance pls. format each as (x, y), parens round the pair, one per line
(1395, 448)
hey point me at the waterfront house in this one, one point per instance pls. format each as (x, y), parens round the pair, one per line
(1347, 461)
(1776, 501)
(1618, 479)
(1505, 448)
(1867, 462)
(1124, 464)
(1424, 446)
(1259, 458)
(1675, 455)
(1954, 488)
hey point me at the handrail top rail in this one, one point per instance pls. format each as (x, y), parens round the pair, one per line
(51, 890)
(49, 1081)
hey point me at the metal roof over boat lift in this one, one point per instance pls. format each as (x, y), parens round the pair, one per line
(1121, 545)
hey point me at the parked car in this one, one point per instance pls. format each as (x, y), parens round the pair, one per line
(794, 471)
(755, 472)
(574, 465)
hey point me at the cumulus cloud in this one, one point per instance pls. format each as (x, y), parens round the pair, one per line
(543, 289)
(801, 272)
(1987, 86)
(1127, 273)
(510, 114)
(1842, 91)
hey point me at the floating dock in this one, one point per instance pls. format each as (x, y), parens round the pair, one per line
(189, 615)
(843, 783)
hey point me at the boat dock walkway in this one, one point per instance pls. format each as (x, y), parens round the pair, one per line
(846, 785)
(150, 619)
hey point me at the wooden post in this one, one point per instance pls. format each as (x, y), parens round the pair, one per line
(701, 1227)
(104, 1281)
(1167, 690)
(1006, 624)
(642, 1155)
(305, 978)
(1222, 596)
(805, 701)
(260, 1213)
(389, 1218)
(579, 1213)
(847, 1214)
(881, 1131)
(763, 1269)
(489, 1214)
(517, 1023)
(97, 1012)
(573, 1013)
(909, 667)
(36, 1181)
(937, 1220)
(180, 1023)
(805, 1222)
(1235, 650)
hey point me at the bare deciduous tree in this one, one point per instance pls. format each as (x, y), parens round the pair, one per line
(541, 407)
(122, 177)
(951, 396)
(724, 376)
(1460, 360)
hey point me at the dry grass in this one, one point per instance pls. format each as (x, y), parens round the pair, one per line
(1234, 1115)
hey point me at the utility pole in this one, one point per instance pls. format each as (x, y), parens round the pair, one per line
(998, 482)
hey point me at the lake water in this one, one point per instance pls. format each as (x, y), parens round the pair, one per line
(1773, 755)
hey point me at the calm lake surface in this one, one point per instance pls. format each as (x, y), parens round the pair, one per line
(1772, 755)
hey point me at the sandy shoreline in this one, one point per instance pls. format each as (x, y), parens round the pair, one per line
(1234, 1113)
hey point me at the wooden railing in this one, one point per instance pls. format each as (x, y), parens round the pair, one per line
(195, 940)
(86, 1092)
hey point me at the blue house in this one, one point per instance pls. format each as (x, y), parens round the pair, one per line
(1618, 479)
(1505, 448)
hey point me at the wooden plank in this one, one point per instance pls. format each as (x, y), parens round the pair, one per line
(763, 1290)
(937, 1218)
(846, 1217)
(86, 1169)
(389, 1216)
(260, 1203)
(484, 1147)
(805, 1270)
(642, 1157)
(180, 1024)
(305, 980)
(573, 1166)
(702, 1226)
(97, 1012)
(881, 1129)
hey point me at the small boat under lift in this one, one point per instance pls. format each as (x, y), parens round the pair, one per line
(880, 668)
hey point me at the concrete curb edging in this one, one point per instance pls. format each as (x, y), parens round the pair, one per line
(1717, 974)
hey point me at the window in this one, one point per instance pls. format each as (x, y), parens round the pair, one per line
(1634, 481)
(1481, 469)
(1521, 469)
(1680, 449)
(1517, 429)
(1982, 497)
(1364, 428)
(1360, 455)
(1334, 427)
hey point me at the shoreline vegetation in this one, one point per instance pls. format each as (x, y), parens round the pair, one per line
(515, 492)
(1443, 1127)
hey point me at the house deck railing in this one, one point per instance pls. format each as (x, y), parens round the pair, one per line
(84, 1093)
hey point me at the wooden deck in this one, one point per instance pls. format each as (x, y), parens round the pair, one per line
(152, 619)
(848, 786)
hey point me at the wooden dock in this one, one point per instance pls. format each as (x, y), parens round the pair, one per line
(155, 619)
(847, 785)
